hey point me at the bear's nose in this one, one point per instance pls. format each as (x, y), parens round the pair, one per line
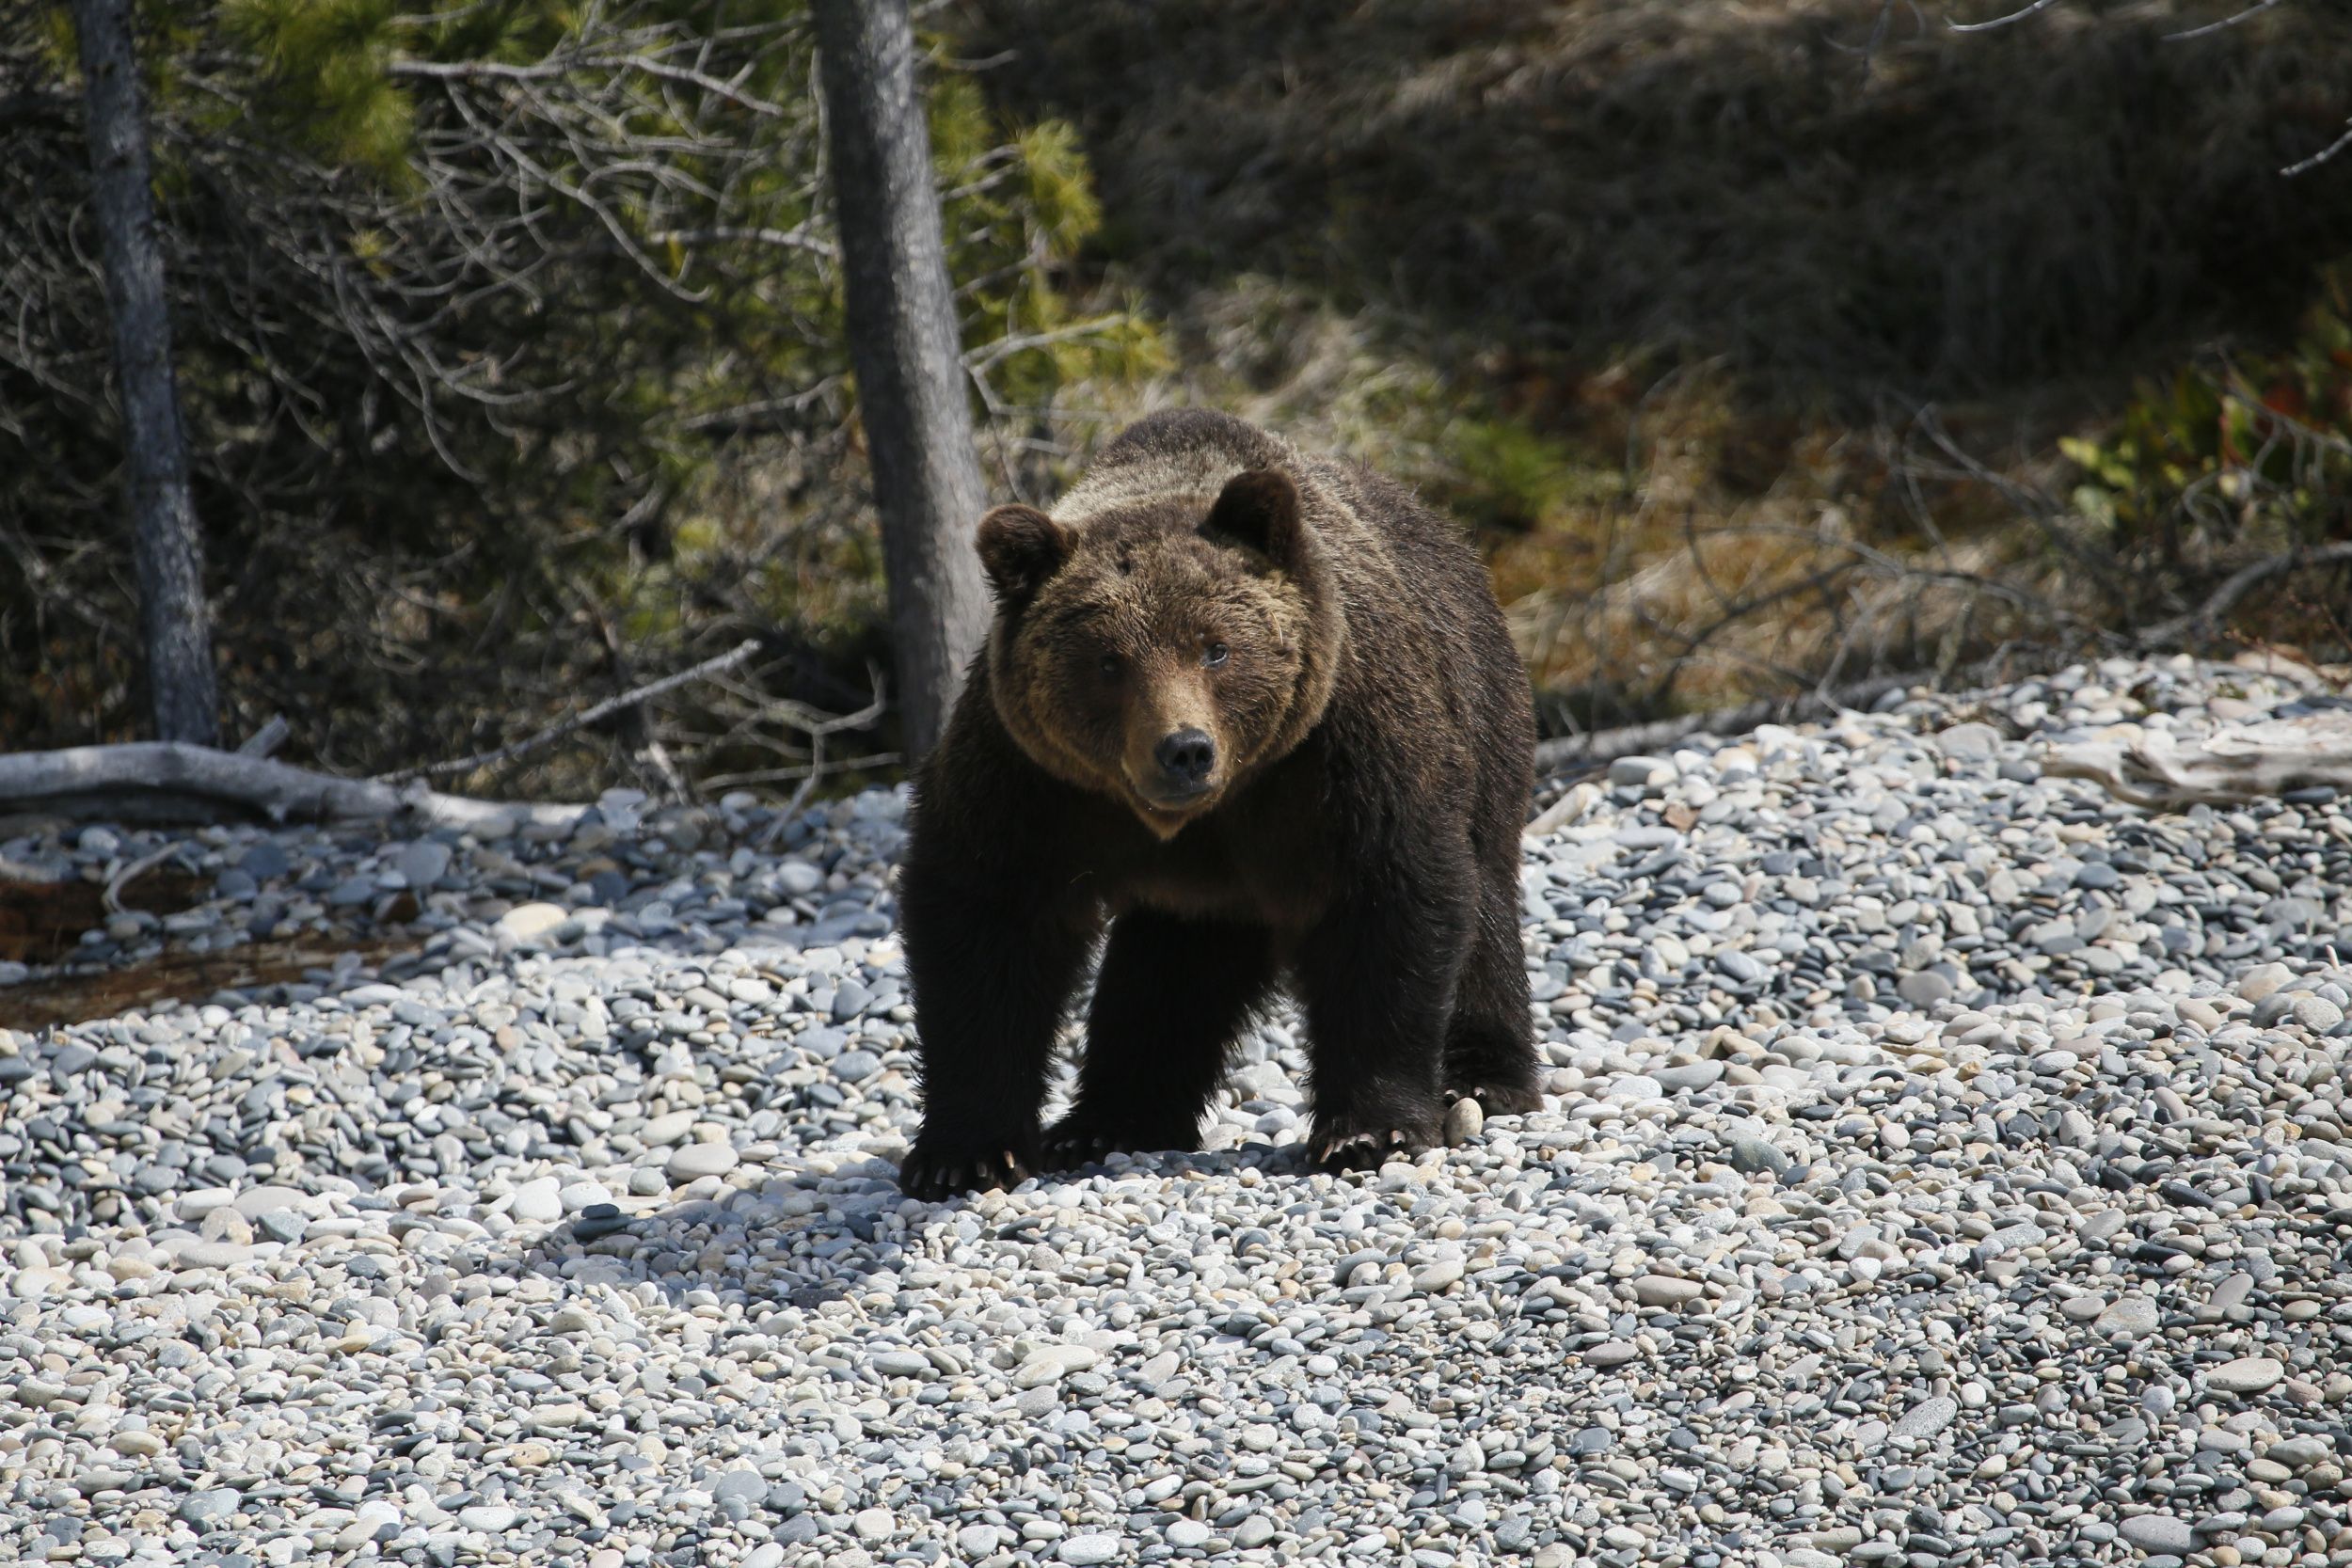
(1187, 757)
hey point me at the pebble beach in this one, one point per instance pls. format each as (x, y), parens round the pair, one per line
(1944, 1163)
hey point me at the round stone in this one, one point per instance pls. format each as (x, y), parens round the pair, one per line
(1653, 1289)
(539, 1201)
(694, 1161)
(1927, 1418)
(1776, 1218)
(1924, 989)
(2132, 1317)
(2247, 1374)
(530, 922)
(2155, 1533)
(2318, 1014)
(1252, 1532)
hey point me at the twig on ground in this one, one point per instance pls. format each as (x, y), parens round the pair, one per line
(112, 899)
(1553, 757)
(656, 756)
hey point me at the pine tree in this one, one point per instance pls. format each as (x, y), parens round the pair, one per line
(167, 544)
(912, 394)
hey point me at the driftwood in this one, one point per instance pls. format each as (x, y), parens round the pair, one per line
(2242, 762)
(171, 781)
(1567, 754)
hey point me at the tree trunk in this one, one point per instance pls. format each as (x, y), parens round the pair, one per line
(165, 546)
(903, 346)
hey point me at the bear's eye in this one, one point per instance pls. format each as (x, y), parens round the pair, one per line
(1108, 664)
(1215, 656)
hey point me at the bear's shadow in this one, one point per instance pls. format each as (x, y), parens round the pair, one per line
(842, 1244)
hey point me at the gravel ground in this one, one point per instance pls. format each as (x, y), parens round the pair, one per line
(1945, 1165)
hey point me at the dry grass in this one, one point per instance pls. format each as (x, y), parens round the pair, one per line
(1944, 216)
(1668, 547)
(1655, 294)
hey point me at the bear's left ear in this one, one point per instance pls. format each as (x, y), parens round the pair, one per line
(1260, 509)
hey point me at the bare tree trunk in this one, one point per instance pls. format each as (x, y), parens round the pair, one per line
(166, 544)
(903, 345)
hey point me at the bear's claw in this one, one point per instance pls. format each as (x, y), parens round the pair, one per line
(932, 1175)
(1070, 1142)
(1342, 1150)
(1065, 1147)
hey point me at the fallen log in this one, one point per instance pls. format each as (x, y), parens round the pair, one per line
(172, 780)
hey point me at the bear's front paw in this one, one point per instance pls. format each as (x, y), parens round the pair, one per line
(1343, 1146)
(935, 1169)
(1083, 1139)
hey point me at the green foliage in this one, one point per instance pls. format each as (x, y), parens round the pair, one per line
(323, 64)
(511, 342)
(1504, 473)
(1062, 207)
(1025, 207)
(2253, 449)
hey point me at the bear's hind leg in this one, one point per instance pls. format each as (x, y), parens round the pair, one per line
(1490, 1042)
(1171, 996)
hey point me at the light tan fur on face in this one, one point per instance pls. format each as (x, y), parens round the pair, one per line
(1171, 692)
(1141, 584)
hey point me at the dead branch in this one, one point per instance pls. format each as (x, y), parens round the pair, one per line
(554, 733)
(802, 772)
(2015, 16)
(266, 739)
(2205, 617)
(2224, 25)
(2324, 155)
(2207, 30)
(208, 785)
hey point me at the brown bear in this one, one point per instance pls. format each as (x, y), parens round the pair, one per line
(1257, 715)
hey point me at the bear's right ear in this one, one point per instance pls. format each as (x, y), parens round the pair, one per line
(1022, 547)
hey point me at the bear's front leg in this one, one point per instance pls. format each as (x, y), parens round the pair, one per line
(1377, 979)
(993, 977)
(1171, 996)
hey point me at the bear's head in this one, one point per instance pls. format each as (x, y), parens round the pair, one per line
(1163, 651)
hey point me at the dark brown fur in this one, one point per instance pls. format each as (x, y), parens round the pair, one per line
(1357, 834)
